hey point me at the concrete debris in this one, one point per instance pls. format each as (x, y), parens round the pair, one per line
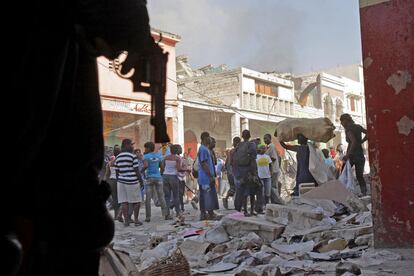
(299, 218)
(217, 235)
(336, 244)
(219, 267)
(237, 257)
(371, 258)
(294, 248)
(193, 250)
(163, 250)
(238, 226)
(307, 235)
(251, 241)
(346, 267)
(365, 240)
(115, 262)
(335, 190)
(364, 218)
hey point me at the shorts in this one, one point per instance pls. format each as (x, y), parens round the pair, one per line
(129, 193)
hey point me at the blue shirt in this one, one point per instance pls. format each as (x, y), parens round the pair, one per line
(154, 160)
(329, 162)
(204, 155)
(167, 151)
(219, 167)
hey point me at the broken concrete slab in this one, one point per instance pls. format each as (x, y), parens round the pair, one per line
(334, 255)
(348, 233)
(193, 250)
(251, 241)
(327, 205)
(365, 240)
(344, 267)
(240, 226)
(335, 244)
(335, 190)
(364, 218)
(217, 235)
(299, 218)
(219, 267)
(291, 233)
(237, 257)
(299, 248)
(376, 257)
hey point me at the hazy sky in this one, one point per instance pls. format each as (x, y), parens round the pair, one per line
(265, 35)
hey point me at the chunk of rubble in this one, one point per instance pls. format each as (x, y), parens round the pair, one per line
(328, 206)
(364, 218)
(343, 267)
(334, 255)
(240, 226)
(294, 248)
(347, 233)
(237, 257)
(219, 267)
(375, 257)
(335, 190)
(251, 241)
(296, 217)
(193, 250)
(335, 244)
(365, 240)
(164, 249)
(216, 235)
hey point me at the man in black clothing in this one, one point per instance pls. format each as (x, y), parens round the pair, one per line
(354, 152)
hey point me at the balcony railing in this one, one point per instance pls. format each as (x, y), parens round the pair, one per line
(266, 104)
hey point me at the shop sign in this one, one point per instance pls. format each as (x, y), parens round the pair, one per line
(128, 107)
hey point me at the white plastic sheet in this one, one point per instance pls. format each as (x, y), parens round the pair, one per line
(347, 178)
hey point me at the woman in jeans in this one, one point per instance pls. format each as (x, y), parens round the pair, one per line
(171, 165)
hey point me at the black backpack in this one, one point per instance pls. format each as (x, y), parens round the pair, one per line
(241, 154)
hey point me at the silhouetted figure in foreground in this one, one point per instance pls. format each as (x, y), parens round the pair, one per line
(59, 214)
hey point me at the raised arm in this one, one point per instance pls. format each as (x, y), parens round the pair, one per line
(289, 147)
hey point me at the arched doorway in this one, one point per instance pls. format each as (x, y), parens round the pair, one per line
(190, 143)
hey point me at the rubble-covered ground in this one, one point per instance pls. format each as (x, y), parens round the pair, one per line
(306, 236)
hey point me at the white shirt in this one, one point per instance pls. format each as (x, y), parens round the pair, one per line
(263, 161)
(271, 151)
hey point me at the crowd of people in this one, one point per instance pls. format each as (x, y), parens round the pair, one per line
(169, 177)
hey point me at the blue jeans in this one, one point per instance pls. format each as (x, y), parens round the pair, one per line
(172, 190)
(154, 185)
(264, 192)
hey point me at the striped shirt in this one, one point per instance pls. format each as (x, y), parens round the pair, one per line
(125, 163)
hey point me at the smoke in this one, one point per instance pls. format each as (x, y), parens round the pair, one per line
(265, 35)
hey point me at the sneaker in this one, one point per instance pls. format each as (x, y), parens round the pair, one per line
(138, 223)
(168, 217)
(126, 223)
(147, 220)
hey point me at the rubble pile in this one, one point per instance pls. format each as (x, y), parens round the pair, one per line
(306, 235)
